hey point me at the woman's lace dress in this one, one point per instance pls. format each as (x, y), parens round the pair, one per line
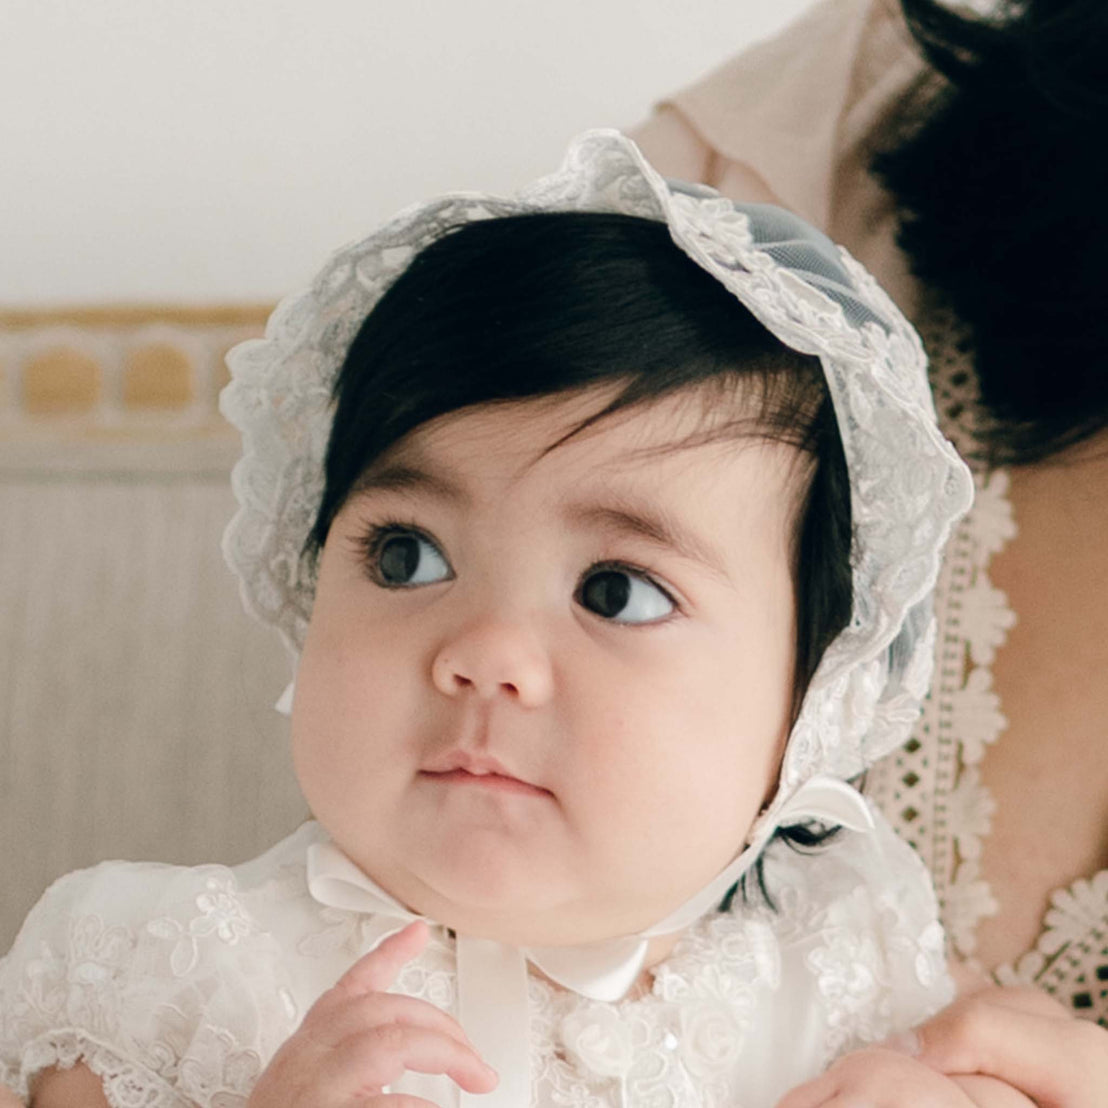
(931, 789)
(177, 984)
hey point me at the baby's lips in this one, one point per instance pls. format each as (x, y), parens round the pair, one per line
(459, 760)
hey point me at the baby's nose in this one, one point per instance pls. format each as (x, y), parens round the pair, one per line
(491, 659)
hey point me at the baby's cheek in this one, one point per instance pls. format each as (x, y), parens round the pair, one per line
(339, 718)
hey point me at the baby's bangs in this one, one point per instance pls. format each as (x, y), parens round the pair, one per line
(542, 305)
(776, 399)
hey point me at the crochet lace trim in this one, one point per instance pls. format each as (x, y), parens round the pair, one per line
(126, 1084)
(931, 789)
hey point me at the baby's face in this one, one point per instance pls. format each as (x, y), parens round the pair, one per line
(543, 696)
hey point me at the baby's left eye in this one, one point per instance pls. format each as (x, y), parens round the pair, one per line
(398, 558)
(624, 596)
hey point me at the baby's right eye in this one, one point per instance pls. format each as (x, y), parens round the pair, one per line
(401, 559)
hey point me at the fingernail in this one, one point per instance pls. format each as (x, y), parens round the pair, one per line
(905, 1042)
(491, 1072)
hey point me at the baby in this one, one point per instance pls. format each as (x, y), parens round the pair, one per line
(602, 524)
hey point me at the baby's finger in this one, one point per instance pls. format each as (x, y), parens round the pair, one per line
(396, 1100)
(366, 1063)
(377, 970)
(361, 1013)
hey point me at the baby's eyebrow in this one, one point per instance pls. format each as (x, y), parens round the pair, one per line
(403, 477)
(655, 525)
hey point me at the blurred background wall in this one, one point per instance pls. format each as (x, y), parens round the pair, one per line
(213, 149)
(168, 168)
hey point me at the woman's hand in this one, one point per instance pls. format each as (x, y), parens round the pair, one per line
(357, 1038)
(1024, 1038)
(992, 1048)
(885, 1077)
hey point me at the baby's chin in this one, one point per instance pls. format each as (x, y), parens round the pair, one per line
(512, 901)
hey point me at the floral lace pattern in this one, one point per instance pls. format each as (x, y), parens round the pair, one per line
(158, 978)
(1070, 960)
(931, 789)
(711, 1030)
(177, 985)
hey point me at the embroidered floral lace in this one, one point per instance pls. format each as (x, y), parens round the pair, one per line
(177, 985)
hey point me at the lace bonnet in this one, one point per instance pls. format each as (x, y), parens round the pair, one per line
(908, 485)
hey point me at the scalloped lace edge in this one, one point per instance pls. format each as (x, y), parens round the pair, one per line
(126, 1084)
(969, 897)
(1054, 944)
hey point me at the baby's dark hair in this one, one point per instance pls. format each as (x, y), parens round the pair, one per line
(536, 305)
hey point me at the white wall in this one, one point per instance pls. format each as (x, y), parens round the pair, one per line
(205, 150)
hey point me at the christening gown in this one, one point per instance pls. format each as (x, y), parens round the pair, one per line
(178, 984)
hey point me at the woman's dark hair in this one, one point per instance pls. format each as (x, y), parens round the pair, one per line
(536, 305)
(1000, 168)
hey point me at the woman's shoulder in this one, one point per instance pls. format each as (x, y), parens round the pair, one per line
(145, 970)
(792, 108)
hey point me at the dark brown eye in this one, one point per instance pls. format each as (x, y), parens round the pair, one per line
(404, 559)
(624, 597)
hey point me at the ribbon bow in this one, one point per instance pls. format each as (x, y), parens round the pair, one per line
(492, 976)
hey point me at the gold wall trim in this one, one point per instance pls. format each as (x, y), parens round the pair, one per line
(136, 315)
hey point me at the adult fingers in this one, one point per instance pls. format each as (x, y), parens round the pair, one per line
(364, 1064)
(988, 1092)
(878, 1078)
(1022, 997)
(1056, 1060)
(812, 1094)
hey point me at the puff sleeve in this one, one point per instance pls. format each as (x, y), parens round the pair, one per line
(158, 978)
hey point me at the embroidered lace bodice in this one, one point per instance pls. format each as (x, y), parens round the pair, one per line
(177, 984)
(931, 789)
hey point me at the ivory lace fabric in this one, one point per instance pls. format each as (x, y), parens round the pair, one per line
(176, 985)
(794, 118)
(931, 788)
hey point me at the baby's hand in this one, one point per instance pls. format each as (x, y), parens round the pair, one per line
(357, 1038)
(879, 1077)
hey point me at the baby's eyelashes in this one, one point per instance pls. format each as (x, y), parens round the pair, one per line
(401, 556)
(624, 595)
(398, 557)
